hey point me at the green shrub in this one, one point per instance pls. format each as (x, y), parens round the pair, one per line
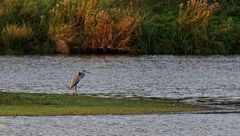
(193, 22)
(154, 39)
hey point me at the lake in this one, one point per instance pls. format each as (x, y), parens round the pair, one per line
(147, 76)
(210, 80)
(138, 125)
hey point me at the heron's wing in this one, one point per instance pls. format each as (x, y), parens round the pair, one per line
(74, 81)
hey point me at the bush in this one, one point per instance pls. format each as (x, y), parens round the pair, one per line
(14, 37)
(120, 26)
(61, 25)
(105, 31)
(153, 40)
(193, 22)
(115, 29)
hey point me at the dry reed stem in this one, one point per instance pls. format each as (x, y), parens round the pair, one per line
(18, 32)
(196, 13)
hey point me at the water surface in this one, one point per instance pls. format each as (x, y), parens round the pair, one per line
(138, 125)
(147, 76)
(212, 80)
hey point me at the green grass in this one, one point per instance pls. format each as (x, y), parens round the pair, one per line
(29, 104)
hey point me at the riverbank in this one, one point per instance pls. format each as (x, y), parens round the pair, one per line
(32, 104)
(189, 27)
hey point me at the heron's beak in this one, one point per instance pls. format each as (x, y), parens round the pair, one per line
(87, 72)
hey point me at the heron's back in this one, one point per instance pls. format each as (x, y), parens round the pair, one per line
(74, 81)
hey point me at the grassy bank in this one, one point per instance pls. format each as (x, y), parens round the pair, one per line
(16, 104)
(198, 27)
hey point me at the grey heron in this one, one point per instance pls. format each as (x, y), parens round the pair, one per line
(76, 78)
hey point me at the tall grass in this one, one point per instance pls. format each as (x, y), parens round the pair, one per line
(1, 9)
(193, 22)
(26, 13)
(14, 36)
(61, 25)
(156, 35)
(87, 27)
(115, 29)
(16, 11)
(121, 26)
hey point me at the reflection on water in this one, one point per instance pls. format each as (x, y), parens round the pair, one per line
(138, 125)
(148, 76)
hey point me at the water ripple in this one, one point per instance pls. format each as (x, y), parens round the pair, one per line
(140, 125)
(157, 76)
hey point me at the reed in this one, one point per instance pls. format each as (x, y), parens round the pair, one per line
(105, 30)
(14, 36)
(123, 26)
(61, 25)
(193, 22)
(115, 29)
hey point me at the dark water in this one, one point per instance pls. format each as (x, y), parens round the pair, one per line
(139, 125)
(147, 76)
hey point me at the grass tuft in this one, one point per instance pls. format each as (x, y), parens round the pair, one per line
(14, 36)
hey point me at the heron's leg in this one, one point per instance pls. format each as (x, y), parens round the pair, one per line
(76, 89)
(73, 90)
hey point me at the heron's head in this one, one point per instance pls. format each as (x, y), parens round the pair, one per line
(84, 71)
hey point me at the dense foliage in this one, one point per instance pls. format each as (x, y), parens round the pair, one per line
(198, 27)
